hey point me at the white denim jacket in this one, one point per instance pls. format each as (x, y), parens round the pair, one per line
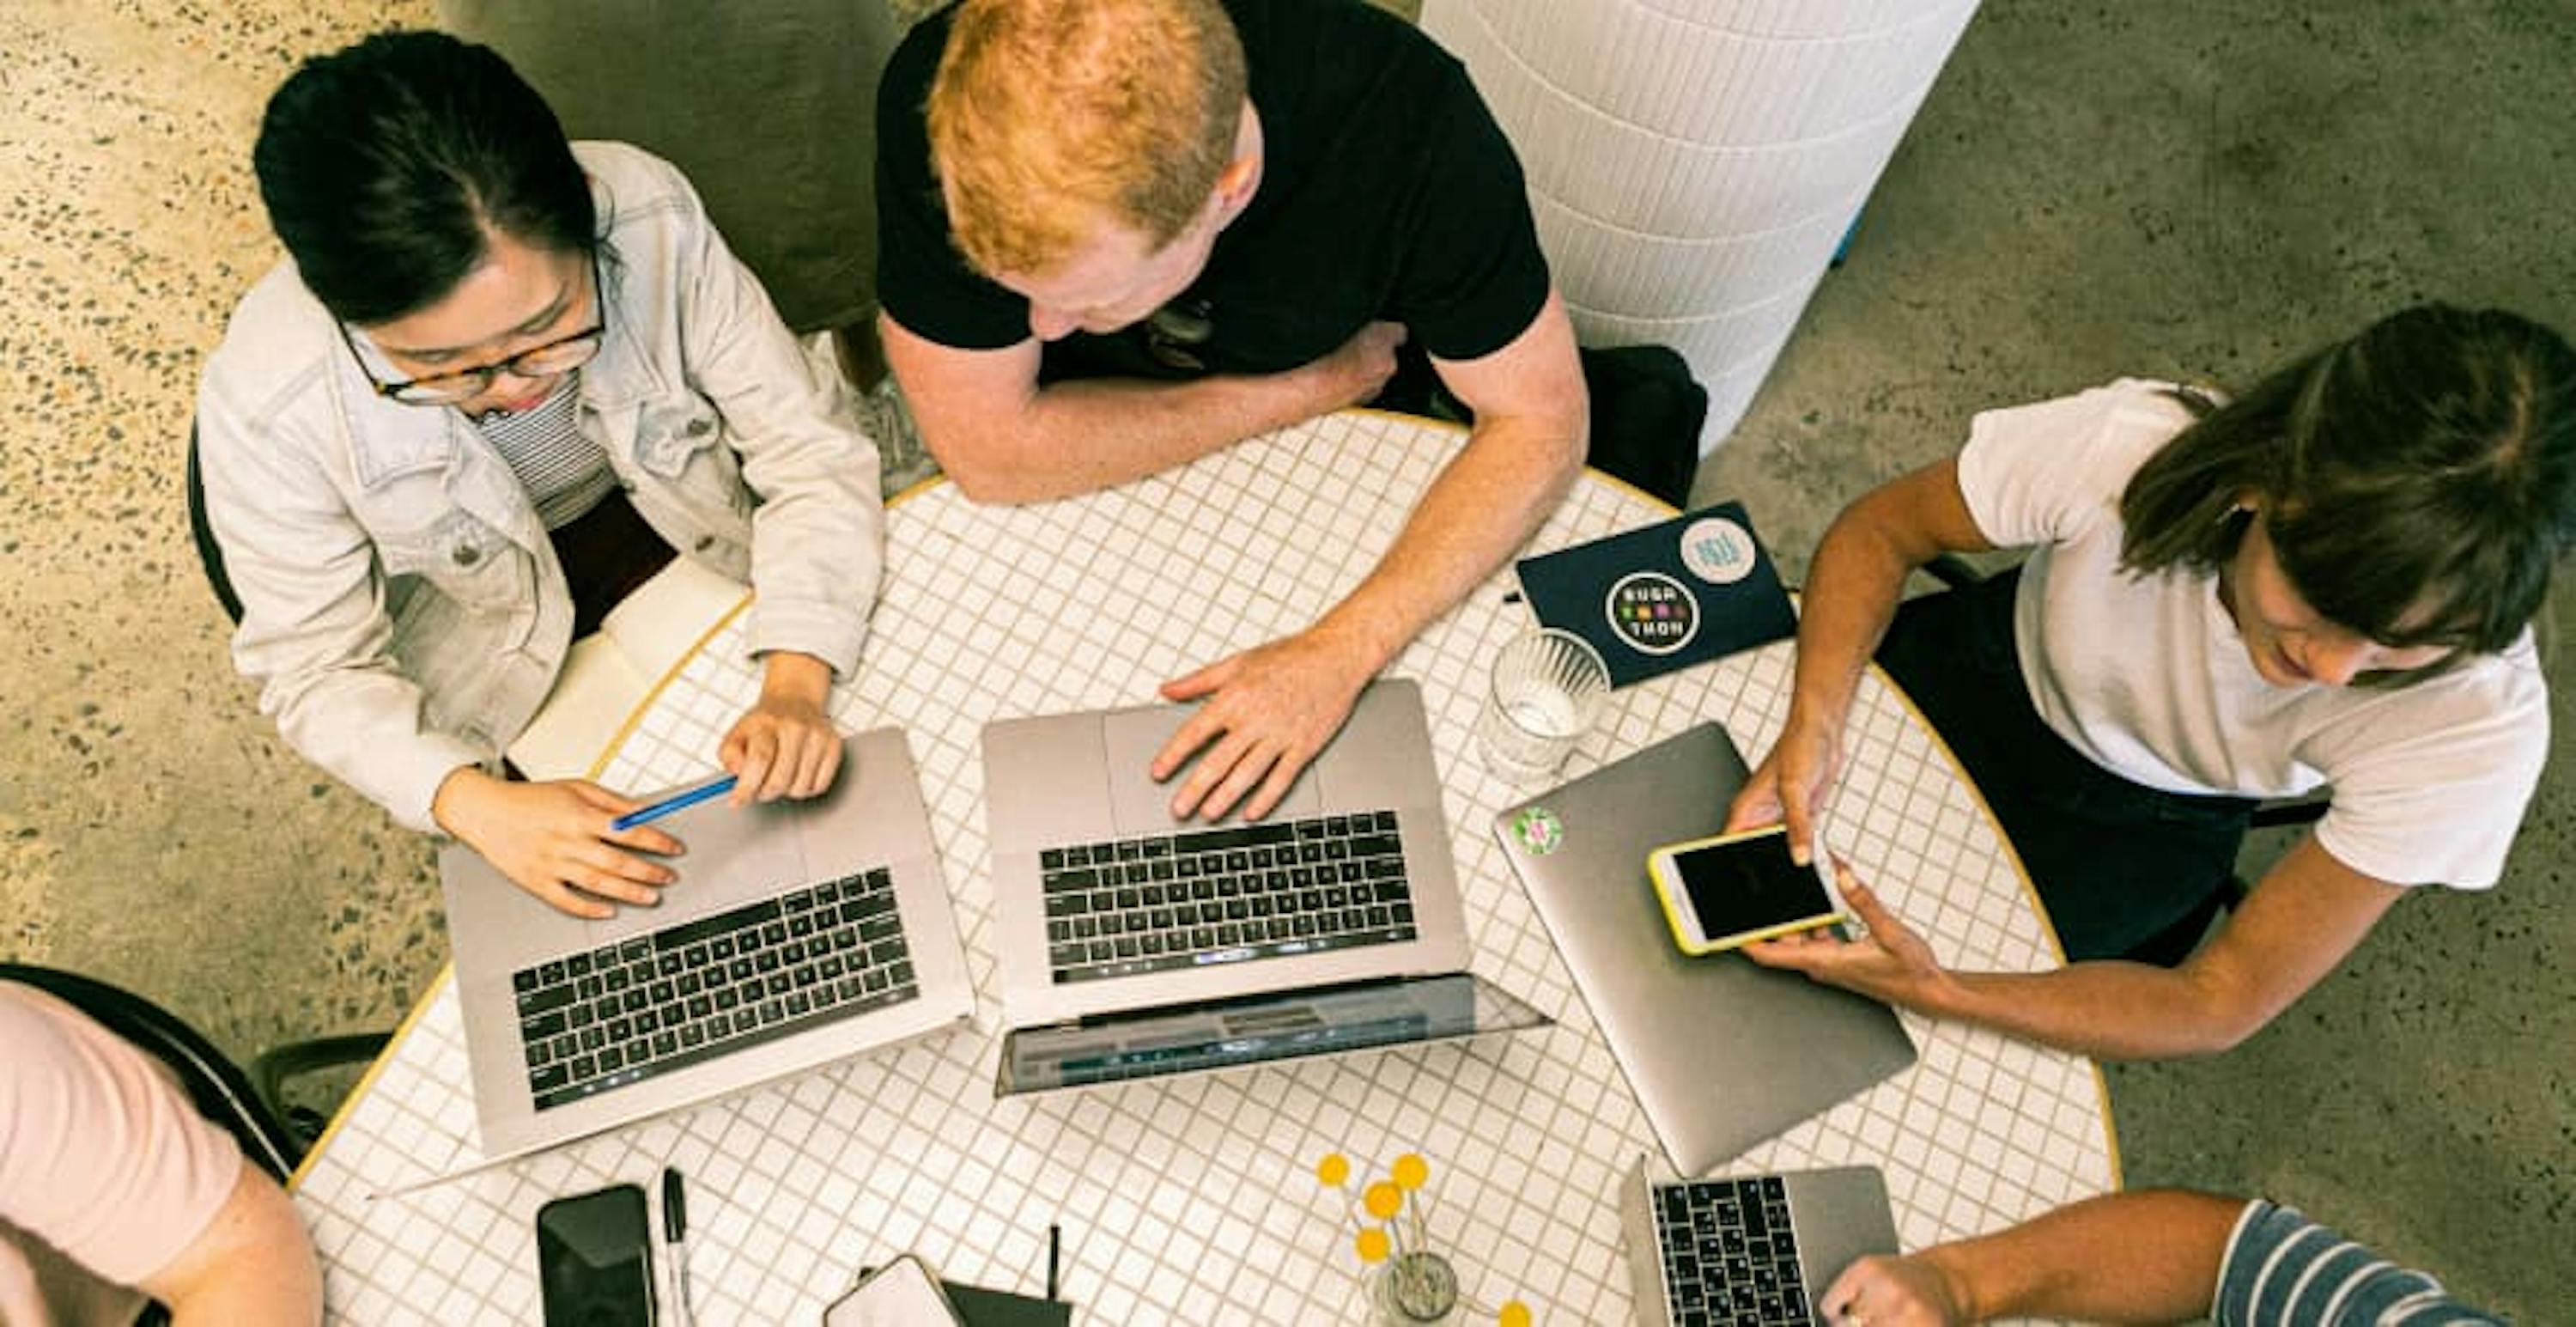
(403, 609)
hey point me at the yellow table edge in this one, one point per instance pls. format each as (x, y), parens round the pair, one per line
(2047, 926)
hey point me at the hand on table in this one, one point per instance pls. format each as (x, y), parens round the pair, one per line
(1891, 1292)
(1890, 964)
(1268, 711)
(785, 745)
(553, 840)
(1791, 786)
(1356, 372)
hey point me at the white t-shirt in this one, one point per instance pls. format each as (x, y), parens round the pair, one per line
(2149, 678)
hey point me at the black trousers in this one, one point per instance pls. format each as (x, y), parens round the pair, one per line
(2119, 865)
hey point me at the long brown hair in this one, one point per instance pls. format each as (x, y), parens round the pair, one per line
(2417, 480)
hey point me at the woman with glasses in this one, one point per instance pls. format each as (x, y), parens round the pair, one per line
(501, 381)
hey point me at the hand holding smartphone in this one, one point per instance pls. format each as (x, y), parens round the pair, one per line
(1719, 893)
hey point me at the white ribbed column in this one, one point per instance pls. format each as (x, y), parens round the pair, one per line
(1692, 163)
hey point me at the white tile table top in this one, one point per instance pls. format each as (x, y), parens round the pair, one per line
(1193, 1199)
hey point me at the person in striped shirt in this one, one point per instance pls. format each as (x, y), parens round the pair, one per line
(2157, 1255)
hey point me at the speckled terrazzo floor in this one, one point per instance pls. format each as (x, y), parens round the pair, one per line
(2093, 189)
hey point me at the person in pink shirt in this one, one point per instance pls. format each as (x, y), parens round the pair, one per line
(113, 1190)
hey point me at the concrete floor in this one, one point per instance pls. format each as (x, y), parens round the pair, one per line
(2192, 188)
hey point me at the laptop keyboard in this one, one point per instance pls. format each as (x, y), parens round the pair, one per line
(622, 1013)
(1729, 1259)
(1227, 895)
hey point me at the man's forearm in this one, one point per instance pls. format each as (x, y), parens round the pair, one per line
(1089, 434)
(1483, 507)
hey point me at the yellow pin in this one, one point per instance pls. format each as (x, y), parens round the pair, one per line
(1382, 1200)
(1411, 1171)
(1334, 1170)
(1372, 1244)
(1515, 1314)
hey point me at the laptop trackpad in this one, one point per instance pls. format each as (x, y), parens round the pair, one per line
(1142, 806)
(740, 852)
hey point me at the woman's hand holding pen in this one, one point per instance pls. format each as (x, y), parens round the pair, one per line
(556, 840)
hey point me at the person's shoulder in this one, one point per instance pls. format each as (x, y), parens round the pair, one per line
(1361, 40)
(2281, 1266)
(40, 1031)
(276, 344)
(915, 60)
(2121, 421)
(627, 176)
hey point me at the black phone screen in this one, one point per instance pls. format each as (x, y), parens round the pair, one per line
(594, 1257)
(1749, 885)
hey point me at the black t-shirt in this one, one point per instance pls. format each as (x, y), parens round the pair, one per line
(1387, 192)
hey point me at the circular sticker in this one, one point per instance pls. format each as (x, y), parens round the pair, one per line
(1718, 550)
(1538, 830)
(1652, 611)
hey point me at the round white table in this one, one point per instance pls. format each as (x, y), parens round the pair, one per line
(1194, 1199)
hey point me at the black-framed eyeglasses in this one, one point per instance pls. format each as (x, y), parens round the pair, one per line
(561, 355)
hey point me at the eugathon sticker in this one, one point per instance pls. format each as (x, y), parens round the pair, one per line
(1652, 612)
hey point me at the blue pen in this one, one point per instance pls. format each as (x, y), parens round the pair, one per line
(678, 801)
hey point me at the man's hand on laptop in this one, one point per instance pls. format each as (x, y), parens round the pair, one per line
(1890, 963)
(1269, 711)
(553, 840)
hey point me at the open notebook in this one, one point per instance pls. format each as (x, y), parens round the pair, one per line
(608, 673)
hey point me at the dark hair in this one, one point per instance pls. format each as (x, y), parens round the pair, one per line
(383, 166)
(2430, 460)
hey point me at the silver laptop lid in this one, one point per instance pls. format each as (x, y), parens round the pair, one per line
(1053, 781)
(737, 857)
(1721, 1053)
(1258, 1029)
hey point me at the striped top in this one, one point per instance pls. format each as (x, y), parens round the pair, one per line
(2284, 1270)
(564, 472)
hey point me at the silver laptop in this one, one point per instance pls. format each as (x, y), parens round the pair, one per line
(1722, 1053)
(1751, 1248)
(800, 933)
(1106, 906)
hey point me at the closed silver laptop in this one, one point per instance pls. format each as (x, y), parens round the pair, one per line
(1722, 1053)
(800, 933)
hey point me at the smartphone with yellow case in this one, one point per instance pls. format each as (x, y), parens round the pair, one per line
(1733, 889)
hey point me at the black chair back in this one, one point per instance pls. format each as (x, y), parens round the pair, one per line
(210, 554)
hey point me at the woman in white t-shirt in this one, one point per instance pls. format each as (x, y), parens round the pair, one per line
(2326, 583)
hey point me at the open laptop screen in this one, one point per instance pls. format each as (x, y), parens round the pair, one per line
(1224, 1034)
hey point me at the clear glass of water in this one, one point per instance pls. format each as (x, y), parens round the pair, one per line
(1548, 689)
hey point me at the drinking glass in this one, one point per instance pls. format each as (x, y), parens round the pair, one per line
(1548, 689)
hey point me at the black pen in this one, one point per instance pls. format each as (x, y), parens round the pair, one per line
(675, 1240)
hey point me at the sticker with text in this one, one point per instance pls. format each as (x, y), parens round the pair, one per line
(1718, 550)
(1652, 612)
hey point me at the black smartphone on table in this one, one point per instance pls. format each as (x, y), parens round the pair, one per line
(595, 1259)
